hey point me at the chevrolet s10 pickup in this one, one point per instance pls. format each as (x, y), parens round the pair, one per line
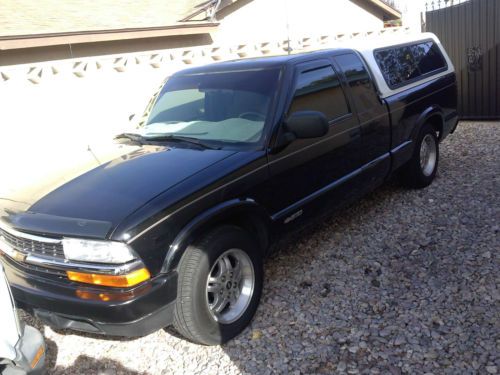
(174, 230)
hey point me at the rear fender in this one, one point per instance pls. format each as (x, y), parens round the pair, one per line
(403, 152)
(431, 112)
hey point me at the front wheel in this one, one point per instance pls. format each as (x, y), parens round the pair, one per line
(421, 169)
(219, 287)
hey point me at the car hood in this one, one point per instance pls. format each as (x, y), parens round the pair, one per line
(92, 198)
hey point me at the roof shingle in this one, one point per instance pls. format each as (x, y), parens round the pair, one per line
(22, 17)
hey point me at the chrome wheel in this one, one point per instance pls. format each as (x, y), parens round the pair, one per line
(428, 154)
(230, 286)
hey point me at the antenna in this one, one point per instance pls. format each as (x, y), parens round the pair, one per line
(288, 48)
(92, 153)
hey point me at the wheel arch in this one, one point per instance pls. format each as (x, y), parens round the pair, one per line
(245, 213)
(432, 115)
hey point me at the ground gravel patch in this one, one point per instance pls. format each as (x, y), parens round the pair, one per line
(402, 282)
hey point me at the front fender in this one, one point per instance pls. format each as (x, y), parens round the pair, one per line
(207, 219)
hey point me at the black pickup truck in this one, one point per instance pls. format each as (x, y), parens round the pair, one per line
(173, 231)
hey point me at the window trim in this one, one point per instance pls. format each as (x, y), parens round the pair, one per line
(416, 79)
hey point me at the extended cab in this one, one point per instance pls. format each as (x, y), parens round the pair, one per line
(173, 230)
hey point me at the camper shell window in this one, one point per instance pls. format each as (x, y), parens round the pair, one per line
(404, 64)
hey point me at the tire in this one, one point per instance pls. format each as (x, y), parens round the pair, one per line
(218, 253)
(420, 170)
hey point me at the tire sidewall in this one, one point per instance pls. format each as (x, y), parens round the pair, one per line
(230, 238)
(415, 176)
(428, 129)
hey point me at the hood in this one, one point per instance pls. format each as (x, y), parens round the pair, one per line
(92, 198)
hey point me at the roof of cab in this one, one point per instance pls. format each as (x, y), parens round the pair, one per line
(265, 62)
(365, 47)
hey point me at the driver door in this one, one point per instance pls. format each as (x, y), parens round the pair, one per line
(307, 175)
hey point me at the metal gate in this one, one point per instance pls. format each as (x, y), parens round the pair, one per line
(470, 32)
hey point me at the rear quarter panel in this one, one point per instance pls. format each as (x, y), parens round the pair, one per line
(409, 109)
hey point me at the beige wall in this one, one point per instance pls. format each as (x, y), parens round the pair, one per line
(267, 19)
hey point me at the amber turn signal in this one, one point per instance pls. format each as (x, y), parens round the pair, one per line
(118, 281)
(37, 357)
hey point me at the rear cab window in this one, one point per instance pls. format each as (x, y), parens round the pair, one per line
(402, 65)
(319, 89)
(359, 80)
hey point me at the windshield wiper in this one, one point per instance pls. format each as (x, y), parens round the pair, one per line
(178, 138)
(139, 139)
(136, 138)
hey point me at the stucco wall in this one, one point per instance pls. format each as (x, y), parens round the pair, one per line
(265, 19)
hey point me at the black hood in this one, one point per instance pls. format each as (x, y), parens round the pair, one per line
(98, 199)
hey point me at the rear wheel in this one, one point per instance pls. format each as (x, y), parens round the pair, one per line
(219, 287)
(421, 169)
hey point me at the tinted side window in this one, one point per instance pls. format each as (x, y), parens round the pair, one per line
(320, 90)
(428, 57)
(359, 80)
(407, 63)
(397, 65)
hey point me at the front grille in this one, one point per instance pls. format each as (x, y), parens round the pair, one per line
(39, 271)
(30, 246)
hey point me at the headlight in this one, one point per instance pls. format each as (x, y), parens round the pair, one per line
(97, 251)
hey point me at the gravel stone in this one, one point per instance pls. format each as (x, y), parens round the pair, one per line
(354, 349)
(401, 282)
(341, 366)
(400, 340)
(491, 369)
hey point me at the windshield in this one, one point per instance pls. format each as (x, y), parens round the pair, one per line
(226, 107)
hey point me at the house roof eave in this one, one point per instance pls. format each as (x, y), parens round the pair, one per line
(390, 12)
(54, 39)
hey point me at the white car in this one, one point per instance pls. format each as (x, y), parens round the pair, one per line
(22, 347)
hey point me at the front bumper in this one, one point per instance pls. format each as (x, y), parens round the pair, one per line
(117, 312)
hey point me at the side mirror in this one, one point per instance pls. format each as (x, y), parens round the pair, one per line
(307, 124)
(131, 117)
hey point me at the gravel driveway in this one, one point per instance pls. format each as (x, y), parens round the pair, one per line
(401, 282)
